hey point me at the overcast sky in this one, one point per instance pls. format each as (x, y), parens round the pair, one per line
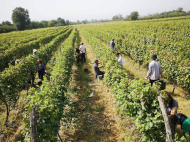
(74, 10)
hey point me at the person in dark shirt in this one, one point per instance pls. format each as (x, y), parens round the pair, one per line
(41, 70)
(184, 121)
(112, 44)
(13, 62)
(172, 106)
(97, 69)
(78, 55)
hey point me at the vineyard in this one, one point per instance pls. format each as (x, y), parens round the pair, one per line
(169, 39)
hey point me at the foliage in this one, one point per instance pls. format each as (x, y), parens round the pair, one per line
(19, 50)
(35, 25)
(60, 22)
(6, 23)
(134, 15)
(67, 22)
(50, 99)
(44, 23)
(117, 17)
(173, 13)
(168, 38)
(20, 18)
(133, 98)
(15, 76)
(6, 29)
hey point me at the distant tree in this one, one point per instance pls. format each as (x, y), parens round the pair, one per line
(179, 10)
(188, 12)
(67, 22)
(78, 22)
(134, 15)
(83, 22)
(20, 18)
(6, 23)
(117, 17)
(127, 18)
(44, 23)
(35, 25)
(60, 22)
(52, 23)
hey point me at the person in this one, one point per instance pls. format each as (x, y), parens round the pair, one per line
(184, 121)
(171, 109)
(154, 72)
(13, 62)
(35, 51)
(83, 50)
(112, 44)
(41, 70)
(97, 69)
(78, 54)
(119, 59)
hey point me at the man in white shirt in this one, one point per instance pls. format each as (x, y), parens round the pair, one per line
(154, 72)
(119, 59)
(83, 50)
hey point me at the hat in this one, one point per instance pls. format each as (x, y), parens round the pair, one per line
(34, 50)
(154, 56)
(96, 61)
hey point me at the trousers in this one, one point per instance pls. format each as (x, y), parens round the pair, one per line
(83, 59)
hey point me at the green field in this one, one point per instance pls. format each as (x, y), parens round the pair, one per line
(135, 104)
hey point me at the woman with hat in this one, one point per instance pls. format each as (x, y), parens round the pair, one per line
(154, 72)
(34, 51)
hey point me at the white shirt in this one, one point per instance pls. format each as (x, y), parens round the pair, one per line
(154, 71)
(82, 47)
(119, 59)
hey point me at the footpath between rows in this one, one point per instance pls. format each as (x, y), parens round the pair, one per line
(92, 110)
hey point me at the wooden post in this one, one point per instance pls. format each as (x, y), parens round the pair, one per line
(33, 127)
(166, 120)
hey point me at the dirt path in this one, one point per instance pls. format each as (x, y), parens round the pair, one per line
(94, 116)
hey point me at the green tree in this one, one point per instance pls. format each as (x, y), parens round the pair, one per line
(6, 23)
(52, 23)
(44, 23)
(35, 25)
(134, 15)
(67, 22)
(20, 18)
(60, 22)
(179, 10)
(117, 17)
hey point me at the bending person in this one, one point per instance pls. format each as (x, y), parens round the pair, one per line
(182, 120)
(172, 106)
(97, 69)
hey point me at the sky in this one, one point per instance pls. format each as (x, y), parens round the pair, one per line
(74, 10)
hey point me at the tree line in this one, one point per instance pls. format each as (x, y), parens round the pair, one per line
(135, 15)
(21, 21)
